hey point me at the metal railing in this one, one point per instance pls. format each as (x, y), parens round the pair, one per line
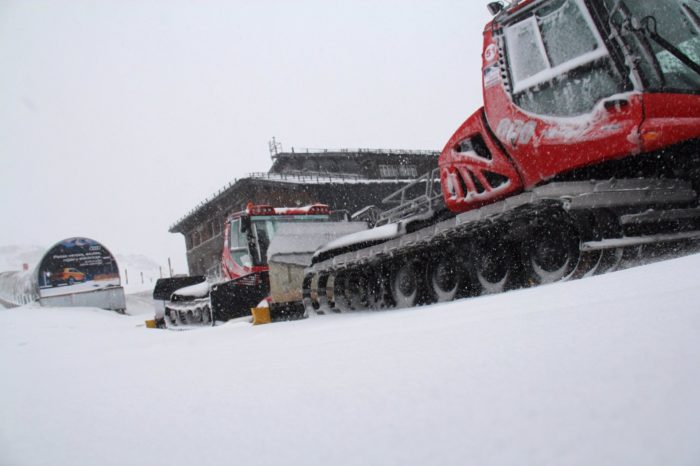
(422, 197)
(306, 176)
(360, 150)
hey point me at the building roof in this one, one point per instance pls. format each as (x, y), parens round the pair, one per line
(281, 174)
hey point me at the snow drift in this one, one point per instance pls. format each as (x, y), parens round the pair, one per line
(600, 371)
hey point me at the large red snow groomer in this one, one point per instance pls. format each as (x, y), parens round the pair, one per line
(585, 152)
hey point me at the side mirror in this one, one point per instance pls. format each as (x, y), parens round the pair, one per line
(495, 7)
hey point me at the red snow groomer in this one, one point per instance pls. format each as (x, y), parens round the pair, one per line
(585, 152)
(244, 279)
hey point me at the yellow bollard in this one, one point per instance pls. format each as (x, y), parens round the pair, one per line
(261, 315)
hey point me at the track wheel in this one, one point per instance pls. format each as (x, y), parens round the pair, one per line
(405, 284)
(375, 288)
(340, 292)
(314, 293)
(609, 261)
(330, 292)
(206, 315)
(306, 294)
(169, 317)
(609, 227)
(368, 288)
(322, 293)
(444, 277)
(357, 290)
(493, 265)
(551, 251)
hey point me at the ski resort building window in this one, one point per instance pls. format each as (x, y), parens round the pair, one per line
(559, 64)
(196, 239)
(388, 171)
(206, 233)
(215, 227)
(239, 245)
(408, 171)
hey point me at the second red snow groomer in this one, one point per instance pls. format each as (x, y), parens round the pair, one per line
(243, 280)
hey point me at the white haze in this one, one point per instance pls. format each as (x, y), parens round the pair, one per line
(118, 117)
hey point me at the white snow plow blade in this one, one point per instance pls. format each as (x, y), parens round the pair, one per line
(196, 291)
(291, 252)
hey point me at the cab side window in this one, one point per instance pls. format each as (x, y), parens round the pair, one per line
(239, 245)
(559, 64)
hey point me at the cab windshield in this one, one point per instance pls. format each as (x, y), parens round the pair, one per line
(664, 39)
(250, 239)
(265, 228)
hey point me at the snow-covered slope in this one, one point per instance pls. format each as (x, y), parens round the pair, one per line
(12, 257)
(142, 272)
(601, 371)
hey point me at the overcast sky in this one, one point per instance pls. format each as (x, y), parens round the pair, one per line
(118, 117)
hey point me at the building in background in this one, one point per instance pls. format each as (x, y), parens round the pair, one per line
(346, 180)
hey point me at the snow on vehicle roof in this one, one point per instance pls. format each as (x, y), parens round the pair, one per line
(382, 233)
(296, 242)
(199, 290)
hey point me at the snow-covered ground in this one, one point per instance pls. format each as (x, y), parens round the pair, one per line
(601, 371)
(141, 270)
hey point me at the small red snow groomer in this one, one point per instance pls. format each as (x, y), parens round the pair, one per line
(244, 276)
(585, 152)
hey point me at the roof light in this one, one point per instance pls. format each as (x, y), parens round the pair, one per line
(260, 209)
(495, 7)
(319, 209)
(315, 209)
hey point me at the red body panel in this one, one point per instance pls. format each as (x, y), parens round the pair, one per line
(544, 147)
(459, 170)
(669, 119)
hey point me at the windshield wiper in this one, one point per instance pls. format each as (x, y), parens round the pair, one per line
(622, 28)
(691, 13)
(647, 26)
